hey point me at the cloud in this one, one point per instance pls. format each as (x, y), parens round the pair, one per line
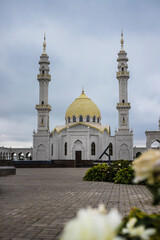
(83, 39)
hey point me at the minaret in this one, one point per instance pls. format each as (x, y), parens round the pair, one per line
(124, 137)
(41, 138)
(43, 108)
(123, 75)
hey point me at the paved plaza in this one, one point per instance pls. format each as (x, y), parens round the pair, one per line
(36, 203)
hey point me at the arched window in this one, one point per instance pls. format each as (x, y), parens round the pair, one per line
(42, 71)
(28, 156)
(52, 149)
(14, 156)
(123, 101)
(155, 144)
(88, 118)
(98, 120)
(94, 118)
(93, 149)
(74, 119)
(122, 69)
(80, 118)
(138, 154)
(21, 156)
(69, 119)
(42, 102)
(110, 149)
(65, 149)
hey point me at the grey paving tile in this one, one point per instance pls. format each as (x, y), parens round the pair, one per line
(36, 203)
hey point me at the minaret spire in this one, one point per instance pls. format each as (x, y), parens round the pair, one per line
(122, 40)
(44, 44)
(82, 89)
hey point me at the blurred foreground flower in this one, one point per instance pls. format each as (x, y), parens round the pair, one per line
(147, 167)
(93, 224)
(138, 231)
(97, 224)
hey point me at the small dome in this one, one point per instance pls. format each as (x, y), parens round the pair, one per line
(83, 106)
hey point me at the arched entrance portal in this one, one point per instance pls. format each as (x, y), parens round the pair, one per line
(78, 155)
(41, 153)
(77, 151)
(151, 138)
(124, 152)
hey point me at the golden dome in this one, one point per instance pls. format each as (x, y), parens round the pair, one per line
(83, 106)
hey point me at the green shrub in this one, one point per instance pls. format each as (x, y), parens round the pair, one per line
(124, 175)
(120, 164)
(148, 220)
(115, 167)
(97, 173)
(105, 173)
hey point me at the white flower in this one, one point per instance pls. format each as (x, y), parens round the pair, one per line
(138, 231)
(93, 224)
(101, 209)
(146, 165)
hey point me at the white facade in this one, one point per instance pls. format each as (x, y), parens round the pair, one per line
(82, 137)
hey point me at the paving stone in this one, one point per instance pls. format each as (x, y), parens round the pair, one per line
(36, 203)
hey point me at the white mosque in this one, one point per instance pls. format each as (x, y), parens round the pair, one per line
(82, 138)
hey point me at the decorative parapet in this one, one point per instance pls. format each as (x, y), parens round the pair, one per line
(152, 132)
(123, 105)
(122, 73)
(43, 107)
(43, 76)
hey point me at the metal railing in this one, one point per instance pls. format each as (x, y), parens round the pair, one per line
(43, 76)
(43, 106)
(123, 73)
(123, 104)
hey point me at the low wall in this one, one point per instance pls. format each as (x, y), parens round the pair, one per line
(73, 163)
(52, 164)
(32, 164)
(6, 163)
(7, 170)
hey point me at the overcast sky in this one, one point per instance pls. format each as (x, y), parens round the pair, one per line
(83, 39)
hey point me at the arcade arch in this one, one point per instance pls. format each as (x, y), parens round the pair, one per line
(155, 144)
